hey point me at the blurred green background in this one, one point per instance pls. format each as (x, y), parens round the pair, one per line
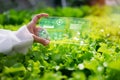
(95, 56)
(21, 11)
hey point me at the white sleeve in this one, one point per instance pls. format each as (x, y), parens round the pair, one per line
(19, 41)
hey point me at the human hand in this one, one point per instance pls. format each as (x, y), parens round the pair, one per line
(34, 30)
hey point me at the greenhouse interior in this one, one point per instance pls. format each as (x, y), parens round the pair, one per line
(59, 39)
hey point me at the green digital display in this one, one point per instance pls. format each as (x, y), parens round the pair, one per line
(63, 27)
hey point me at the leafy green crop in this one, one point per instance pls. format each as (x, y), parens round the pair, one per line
(94, 56)
(12, 17)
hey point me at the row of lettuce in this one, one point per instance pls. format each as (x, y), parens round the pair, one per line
(94, 56)
(19, 17)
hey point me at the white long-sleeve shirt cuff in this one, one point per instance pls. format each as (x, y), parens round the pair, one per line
(19, 41)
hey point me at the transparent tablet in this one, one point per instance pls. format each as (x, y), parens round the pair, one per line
(63, 27)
